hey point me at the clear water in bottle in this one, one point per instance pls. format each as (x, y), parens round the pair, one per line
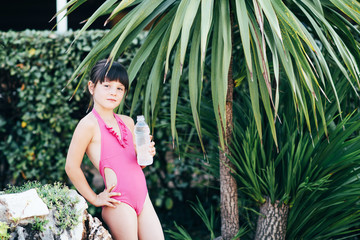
(142, 140)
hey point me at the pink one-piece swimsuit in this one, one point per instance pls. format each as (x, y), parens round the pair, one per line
(118, 154)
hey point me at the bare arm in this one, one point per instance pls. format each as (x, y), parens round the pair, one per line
(82, 137)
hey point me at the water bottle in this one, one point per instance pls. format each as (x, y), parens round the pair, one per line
(142, 140)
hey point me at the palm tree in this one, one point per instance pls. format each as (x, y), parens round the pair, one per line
(308, 189)
(295, 36)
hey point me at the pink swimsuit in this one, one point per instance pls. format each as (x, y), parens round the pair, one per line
(119, 155)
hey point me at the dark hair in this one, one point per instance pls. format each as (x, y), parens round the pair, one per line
(117, 72)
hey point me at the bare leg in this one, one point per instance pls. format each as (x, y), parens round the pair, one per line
(149, 224)
(122, 222)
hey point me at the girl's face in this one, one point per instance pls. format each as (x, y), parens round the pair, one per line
(108, 94)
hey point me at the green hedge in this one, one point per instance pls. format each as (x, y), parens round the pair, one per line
(37, 116)
(37, 119)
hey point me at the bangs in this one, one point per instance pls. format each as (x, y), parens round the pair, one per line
(117, 72)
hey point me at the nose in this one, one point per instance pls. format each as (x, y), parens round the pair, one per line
(113, 90)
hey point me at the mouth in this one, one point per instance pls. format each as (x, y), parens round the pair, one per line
(112, 100)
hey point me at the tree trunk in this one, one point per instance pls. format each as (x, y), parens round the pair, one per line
(228, 199)
(273, 221)
(228, 186)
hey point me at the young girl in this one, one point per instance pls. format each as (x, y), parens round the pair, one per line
(107, 139)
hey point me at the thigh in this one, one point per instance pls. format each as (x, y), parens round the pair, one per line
(122, 222)
(149, 224)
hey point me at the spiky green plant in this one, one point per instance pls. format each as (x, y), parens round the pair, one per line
(181, 233)
(207, 219)
(209, 222)
(315, 175)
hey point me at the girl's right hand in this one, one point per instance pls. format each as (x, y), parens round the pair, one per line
(105, 198)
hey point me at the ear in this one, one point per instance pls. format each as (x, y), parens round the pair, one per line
(91, 87)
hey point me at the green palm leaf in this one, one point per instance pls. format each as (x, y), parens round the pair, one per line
(269, 30)
(122, 5)
(99, 12)
(221, 54)
(189, 17)
(195, 83)
(175, 30)
(143, 10)
(207, 7)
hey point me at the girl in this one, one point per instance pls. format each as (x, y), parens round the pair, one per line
(107, 139)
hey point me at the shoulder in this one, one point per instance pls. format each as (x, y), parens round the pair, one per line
(87, 124)
(84, 131)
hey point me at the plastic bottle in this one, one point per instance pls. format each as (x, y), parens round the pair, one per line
(142, 140)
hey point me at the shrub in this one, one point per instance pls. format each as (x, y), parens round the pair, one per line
(37, 119)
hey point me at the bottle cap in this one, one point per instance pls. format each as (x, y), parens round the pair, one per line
(140, 118)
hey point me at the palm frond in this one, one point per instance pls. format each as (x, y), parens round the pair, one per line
(294, 35)
(316, 175)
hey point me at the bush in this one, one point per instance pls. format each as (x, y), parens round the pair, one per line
(37, 119)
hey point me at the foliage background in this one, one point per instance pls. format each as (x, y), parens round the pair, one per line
(37, 119)
(38, 116)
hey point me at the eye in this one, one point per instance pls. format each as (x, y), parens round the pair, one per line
(120, 89)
